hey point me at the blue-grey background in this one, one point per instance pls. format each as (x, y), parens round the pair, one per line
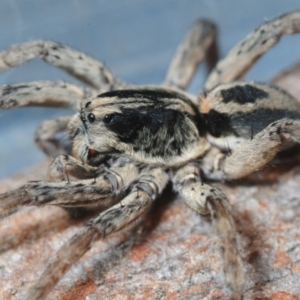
(135, 38)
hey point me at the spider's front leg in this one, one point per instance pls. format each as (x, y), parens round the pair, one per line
(42, 93)
(45, 93)
(74, 62)
(206, 199)
(54, 94)
(116, 218)
(101, 190)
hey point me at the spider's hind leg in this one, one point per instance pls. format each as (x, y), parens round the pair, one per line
(198, 44)
(206, 199)
(241, 58)
(256, 153)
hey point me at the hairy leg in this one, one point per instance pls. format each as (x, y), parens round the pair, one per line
(256, 153)
(240, 59)
(101, 190)
(118, 217)
(198, 44)
(206, 199)
(42, 93)
(74, 62)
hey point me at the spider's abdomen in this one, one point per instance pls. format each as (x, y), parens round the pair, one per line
(237, 111)
(151, 125)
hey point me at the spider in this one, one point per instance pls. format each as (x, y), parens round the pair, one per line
(126, 143)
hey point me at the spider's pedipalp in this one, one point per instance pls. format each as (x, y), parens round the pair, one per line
(240, 59)
(114, 219)
(66, 165)
(42, 93)
(74, 62)
(102, 190)
(206, 199)
(198, 44)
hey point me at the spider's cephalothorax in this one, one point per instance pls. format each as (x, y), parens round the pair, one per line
(153, 126)
(128, 143)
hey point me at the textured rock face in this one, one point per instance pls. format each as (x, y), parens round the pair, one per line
(175, 253)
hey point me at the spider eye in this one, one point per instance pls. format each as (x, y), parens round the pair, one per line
(108, 118)
(91, 118)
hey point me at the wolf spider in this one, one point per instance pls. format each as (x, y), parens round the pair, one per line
(127, 143)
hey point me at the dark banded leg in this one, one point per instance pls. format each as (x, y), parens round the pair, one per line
(81, 193)
(118, 217)
(74, 62)
(206, 199)
(198, 44)
(254, 154)
(42, 93)
(241, 58)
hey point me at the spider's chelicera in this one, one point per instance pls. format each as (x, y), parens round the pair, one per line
(152, 135)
